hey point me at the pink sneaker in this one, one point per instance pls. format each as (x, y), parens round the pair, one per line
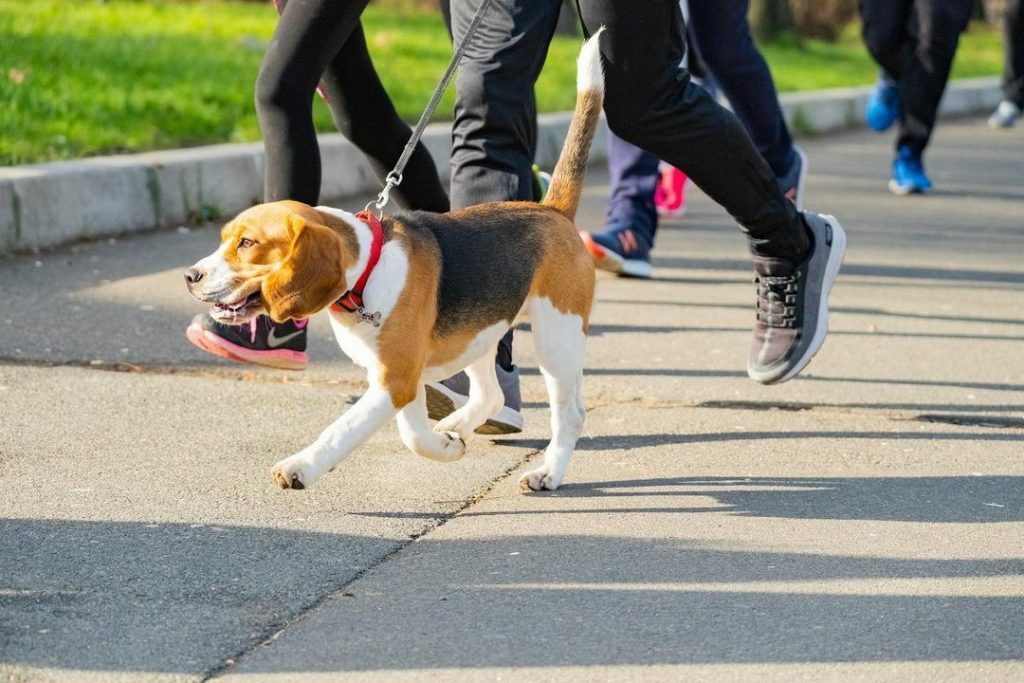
(670, 195)
(261, 341)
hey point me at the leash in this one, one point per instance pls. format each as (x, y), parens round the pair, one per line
(394, 178)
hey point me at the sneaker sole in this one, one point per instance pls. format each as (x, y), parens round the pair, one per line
(835, 260)
(281, 359)
(904, 190)
(608, 260)
(671, 213)
(1000, 124)
(442, 402)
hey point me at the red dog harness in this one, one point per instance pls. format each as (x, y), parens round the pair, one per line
(352, 299)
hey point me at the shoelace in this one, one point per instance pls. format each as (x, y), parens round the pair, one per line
(776, 299)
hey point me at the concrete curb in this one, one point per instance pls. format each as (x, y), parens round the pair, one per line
(44, 205)
(828, 111)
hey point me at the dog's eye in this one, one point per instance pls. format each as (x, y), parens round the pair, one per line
(245, 243)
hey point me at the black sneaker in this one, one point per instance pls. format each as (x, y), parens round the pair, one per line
(447, 396)
(792, 303)
(261, 341)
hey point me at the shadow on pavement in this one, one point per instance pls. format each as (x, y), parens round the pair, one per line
(171, 598)
(929, 500)
(584, 600)
(129, 596)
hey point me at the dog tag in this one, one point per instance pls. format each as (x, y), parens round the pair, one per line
(372, 318)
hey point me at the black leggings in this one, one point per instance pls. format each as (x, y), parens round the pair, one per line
(649, 102)
(322, 41)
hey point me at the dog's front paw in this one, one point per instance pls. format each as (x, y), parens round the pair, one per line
(458, 422)
(289, 475)
(451, 447)
(540, 479)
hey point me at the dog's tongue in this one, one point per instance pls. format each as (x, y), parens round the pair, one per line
(241, 303)
(231, 307)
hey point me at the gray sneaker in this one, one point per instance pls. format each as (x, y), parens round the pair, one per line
(792, 303)
(1005, 115)
(447, 396)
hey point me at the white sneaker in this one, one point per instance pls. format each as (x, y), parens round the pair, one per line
(447, 396)
(1005, 115)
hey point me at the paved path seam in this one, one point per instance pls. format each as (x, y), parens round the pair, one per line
(274, 631)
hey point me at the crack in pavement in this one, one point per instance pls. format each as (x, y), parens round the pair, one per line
(275, 630)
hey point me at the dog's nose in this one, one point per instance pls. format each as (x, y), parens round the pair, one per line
(193, 275)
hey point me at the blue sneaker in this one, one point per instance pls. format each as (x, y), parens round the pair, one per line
(620, 249)
(908, 176)
(884, 104)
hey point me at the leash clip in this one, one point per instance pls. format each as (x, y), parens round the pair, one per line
(393, 180)
(364, 317)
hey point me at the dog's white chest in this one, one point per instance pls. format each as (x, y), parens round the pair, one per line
(359, 339)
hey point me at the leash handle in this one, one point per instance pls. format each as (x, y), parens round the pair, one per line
(394, 179)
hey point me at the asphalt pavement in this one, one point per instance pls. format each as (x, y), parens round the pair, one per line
(863, 521)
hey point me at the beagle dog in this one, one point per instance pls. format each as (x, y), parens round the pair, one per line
(417, 296)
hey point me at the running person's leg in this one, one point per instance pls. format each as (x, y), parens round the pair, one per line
(494, 137)
(624, 245)
(914, 41)
(651, 102)
(722, 33)
(364, 113)
(885, 29)
(939, 24)
(494, 134)
(1013, 37)
(313, 39)
(1012, 106)
(308, 36)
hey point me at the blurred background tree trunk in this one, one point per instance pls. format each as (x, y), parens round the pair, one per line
(769, 18)
(824, 19)
(990, 10)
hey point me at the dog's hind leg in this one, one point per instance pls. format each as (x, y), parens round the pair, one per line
(414, 428)
(560, 343)
(347, 433)
(485, 398)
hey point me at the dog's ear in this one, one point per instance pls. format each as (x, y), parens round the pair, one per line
(310, 277)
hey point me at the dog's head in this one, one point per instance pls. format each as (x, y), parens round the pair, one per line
(284, 259)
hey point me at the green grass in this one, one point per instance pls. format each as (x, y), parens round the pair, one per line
(815, 64)
(82, 77)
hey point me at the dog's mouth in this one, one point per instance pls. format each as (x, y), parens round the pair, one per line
(240, 311)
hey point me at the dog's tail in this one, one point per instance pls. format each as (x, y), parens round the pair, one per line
(567, 178)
